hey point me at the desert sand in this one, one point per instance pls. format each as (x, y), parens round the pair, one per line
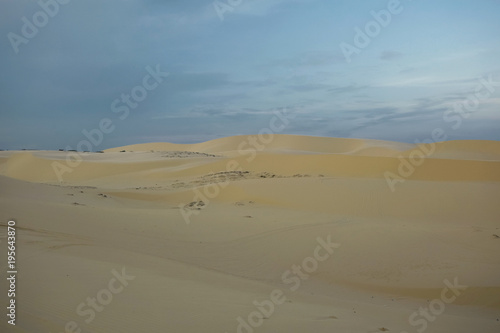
(281, 234)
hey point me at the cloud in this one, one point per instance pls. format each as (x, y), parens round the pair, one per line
(264, 7)
(309, 87)
(390, 55)
(305, 60)
(430, 81)
(347, 89)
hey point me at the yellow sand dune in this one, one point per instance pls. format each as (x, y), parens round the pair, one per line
(274, 143)
(297, 155)
(209, 230)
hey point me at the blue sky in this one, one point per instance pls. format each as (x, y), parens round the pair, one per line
(227, 76)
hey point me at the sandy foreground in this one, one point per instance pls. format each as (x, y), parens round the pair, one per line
(281, 234)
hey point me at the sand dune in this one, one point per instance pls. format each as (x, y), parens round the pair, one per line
(274, 143)
(209, 230)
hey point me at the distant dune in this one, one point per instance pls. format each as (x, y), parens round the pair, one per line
(209, 230)
(278, 143)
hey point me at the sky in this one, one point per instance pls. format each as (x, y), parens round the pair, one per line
(121, 72)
